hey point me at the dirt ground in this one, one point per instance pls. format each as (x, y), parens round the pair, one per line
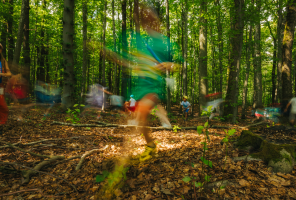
(162, 177)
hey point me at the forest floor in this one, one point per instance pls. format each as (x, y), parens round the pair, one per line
(161, 177)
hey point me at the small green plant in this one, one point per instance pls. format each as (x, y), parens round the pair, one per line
(153, 113)
(87, 128)
(208, 112)
(175, 128)
(74, 114)
(115, 177)
(110, 137)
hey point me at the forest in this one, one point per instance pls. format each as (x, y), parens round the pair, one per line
(242, 50)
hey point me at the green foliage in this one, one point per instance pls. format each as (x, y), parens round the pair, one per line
(116, 176)
(73, 114)
(207, 112)
(176, 128)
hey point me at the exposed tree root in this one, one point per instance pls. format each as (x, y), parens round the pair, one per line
(88, 154)
(37, 168)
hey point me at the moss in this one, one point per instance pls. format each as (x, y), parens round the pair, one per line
(247, 139)
(270, 151)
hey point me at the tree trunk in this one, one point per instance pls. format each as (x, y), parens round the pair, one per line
(114, 49)
(245, 91)
(4, 36)
(104, 45)
(213, 61)
(68, 48)
(26, 45)
(280, 32)
(220, 45)
(287, 50)
(203, 53)
(124, 49)
(257, 68)
(85, 52)
(17, 51)
(237, 25)
(185, 40)
(10, 32)
(168, 103)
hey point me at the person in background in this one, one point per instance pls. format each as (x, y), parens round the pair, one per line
(4, 72)
(186, 106)
(132, 104)
(292, 115)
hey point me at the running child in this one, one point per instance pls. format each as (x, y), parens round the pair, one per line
(186, 106)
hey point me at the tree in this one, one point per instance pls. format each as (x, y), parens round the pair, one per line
(203, 56)
(257, 61)
(85, 52)
(124, 49)
(168, 103)
(19, 41)
(185, 40)
(236, 38)
(104, 45)
(26, 46)
(114, 49)
(68, 48)
(287, 49)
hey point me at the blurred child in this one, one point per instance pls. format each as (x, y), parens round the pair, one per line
(132, 103)
(186, 106)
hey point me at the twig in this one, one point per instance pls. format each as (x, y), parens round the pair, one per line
(87, 154)
(37, 171)
(30, 190)
(23, 150)
(40, 141)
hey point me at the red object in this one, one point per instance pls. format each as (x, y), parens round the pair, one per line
(258, 115)
(3, 110)
(18, 86)
(132, 108)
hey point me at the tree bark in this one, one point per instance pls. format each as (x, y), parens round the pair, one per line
(220, 45)
(4, 36)
(185, 40)
(26, 45)
(114, 49)
(104, 45)
(85, 52)
(280, 32)
(245, 90)
(257, 68)
(124, 49)
(203, 57)
(168, 103)
(17, 51)
(237, 25)
(10, 32)
(68, 48)
(287, 50)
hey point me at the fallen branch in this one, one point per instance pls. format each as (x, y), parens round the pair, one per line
(23, 150)
(152, 128)
(31, 190)
(88, 154)
(40, 141)
(38, 167)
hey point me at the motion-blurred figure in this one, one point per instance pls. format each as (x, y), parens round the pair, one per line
(149, 62)
(4, 72)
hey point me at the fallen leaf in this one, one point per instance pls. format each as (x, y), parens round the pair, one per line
(244, 183)
(166, 191)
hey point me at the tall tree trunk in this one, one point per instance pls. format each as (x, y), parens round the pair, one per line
(104, 45)
(10, 32)
(195, 53)
(68, 48)
(26, 45)
(245, 91)
(257, 68)
(41, 72)
(168, 103)
(17, 51)
(213, 61)
(124, 49)
(203, 54)
(85, 52)
(185, 40)
(237, 25)
(4, 37)
(137, 23)
(220, 44)
(114, 49)
(287, 49)
(280, 32)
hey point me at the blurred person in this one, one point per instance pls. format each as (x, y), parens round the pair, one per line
(149, 63)
(4, 72)
(186, 106)
(292, 114)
